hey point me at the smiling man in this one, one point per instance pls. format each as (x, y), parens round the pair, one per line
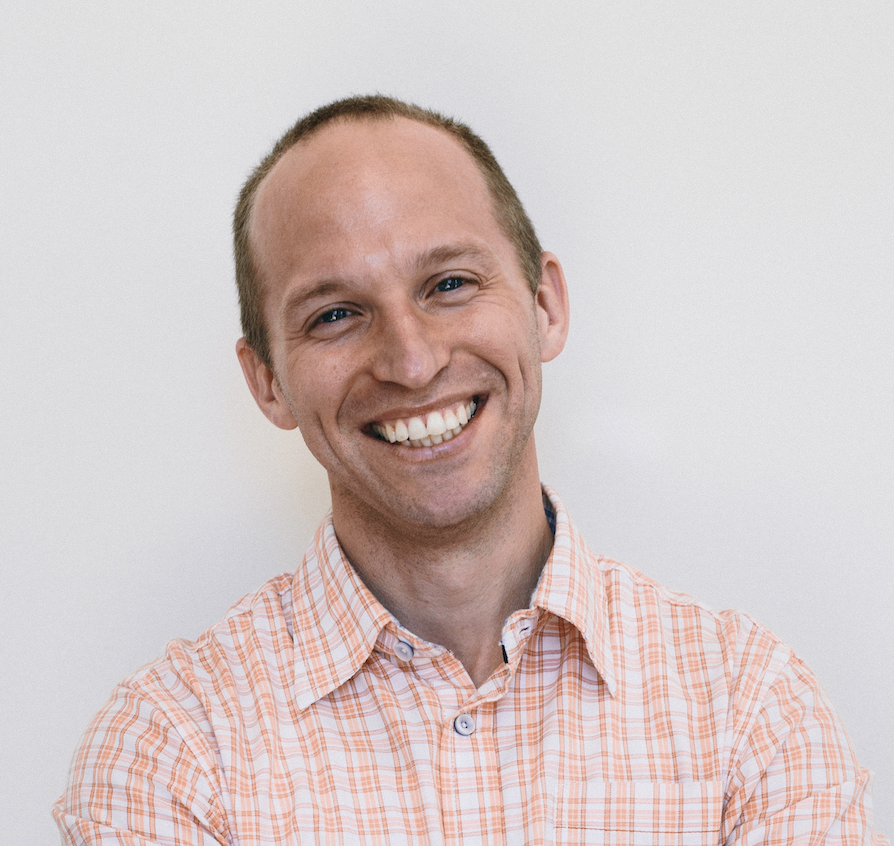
(449, 663)
(393, 304)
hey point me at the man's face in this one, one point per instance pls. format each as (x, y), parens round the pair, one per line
(406, 343)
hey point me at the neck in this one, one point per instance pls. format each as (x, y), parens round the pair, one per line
(454, 586)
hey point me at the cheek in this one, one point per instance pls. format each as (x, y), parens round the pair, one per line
(317, 434)
(517, 342)
(509, 329)
(308, 396)
(325, 397)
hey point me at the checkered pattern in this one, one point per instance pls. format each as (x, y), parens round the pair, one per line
(626, 714)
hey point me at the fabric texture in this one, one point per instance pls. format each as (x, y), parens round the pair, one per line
(626, 714)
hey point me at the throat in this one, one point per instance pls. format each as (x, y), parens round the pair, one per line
(459, 596)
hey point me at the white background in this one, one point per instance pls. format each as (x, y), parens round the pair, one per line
(718, 179)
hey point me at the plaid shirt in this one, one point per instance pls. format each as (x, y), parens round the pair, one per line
(625, 714)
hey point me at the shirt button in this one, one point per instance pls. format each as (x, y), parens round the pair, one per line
(464, 724)
(404, 651)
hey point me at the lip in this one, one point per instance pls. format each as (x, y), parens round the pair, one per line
(405, 412)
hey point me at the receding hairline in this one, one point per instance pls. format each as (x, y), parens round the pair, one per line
(505, 205)
(339, 121)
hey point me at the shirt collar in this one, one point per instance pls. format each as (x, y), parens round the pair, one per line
(337, 621)
(336, 618)
(572, 587)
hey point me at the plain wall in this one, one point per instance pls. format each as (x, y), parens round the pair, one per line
(718, 180)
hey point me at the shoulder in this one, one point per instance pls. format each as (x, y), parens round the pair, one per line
(167, 727)
(633, 597)
(191, 692)
(647, 631)
(252, 642)
(665, 632)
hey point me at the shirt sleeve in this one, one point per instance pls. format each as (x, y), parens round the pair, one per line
(795, 779)
(135, 781)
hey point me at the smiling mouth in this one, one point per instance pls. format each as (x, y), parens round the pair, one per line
(429, 429)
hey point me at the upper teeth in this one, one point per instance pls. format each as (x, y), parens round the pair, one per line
(438, 426)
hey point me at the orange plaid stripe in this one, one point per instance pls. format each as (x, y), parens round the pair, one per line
(626, 714)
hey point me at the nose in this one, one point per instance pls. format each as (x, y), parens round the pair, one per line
(408, 350)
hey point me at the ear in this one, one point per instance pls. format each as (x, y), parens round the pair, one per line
(551, 301)
(264, 387)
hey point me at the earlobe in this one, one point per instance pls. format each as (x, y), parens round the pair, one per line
(552, 307)
(264, 387)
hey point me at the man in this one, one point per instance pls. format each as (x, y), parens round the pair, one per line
(450, 663)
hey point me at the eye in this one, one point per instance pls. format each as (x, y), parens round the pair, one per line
(451, 283)
(334, 315)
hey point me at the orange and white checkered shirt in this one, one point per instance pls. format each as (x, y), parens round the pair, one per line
(625, 714)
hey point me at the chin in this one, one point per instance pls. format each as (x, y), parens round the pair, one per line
(446, 508)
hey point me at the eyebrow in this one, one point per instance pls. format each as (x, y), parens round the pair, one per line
(451, 252)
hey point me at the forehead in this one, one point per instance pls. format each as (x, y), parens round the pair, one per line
(357, 177)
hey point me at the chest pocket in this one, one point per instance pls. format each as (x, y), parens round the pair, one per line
(639, 813)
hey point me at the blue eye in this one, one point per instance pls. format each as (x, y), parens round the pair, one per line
(334, 315)
(450, 284)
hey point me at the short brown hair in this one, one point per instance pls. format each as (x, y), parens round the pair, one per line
(509, 211)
